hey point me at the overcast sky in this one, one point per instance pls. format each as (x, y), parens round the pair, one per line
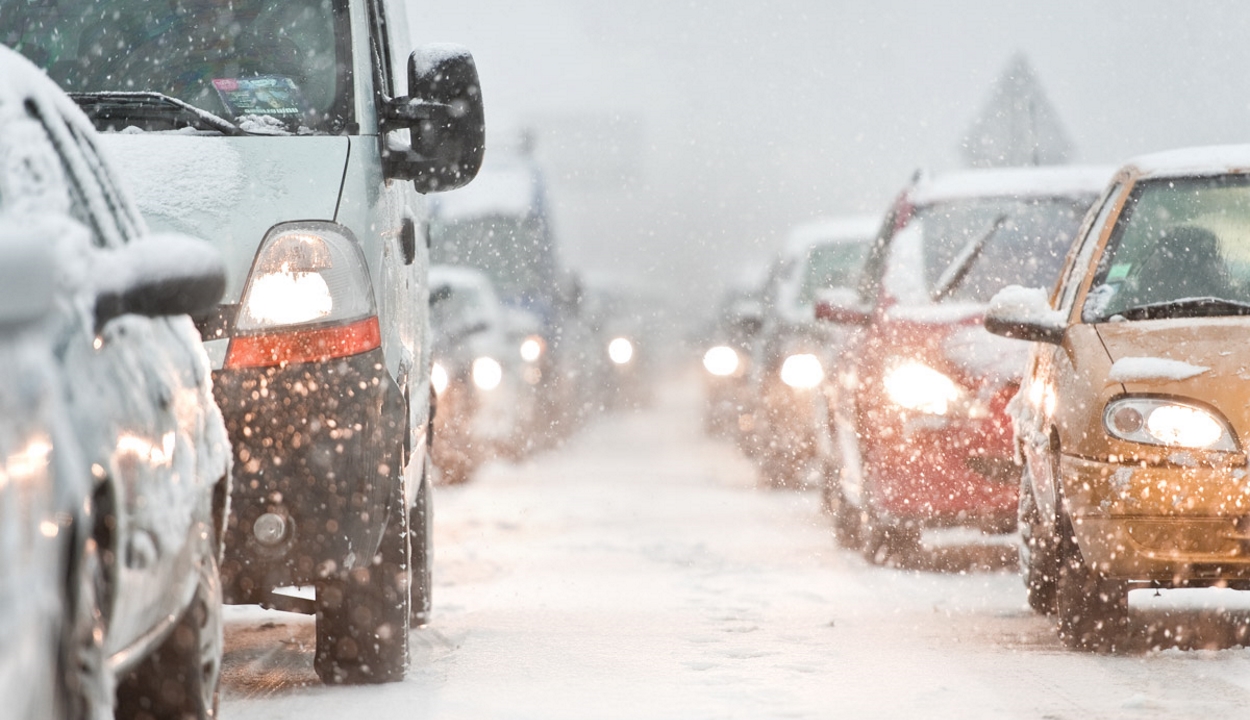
(682, 139)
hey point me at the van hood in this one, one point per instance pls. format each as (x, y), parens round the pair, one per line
(229, 190)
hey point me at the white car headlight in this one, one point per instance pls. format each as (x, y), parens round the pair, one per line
(621, 350)
(1171, 423)
(532, 348)
(916, 386)
(439, 378)
(721, 361)
(802, 371)
(487, 373)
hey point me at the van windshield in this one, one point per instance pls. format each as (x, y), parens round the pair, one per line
(257, 63)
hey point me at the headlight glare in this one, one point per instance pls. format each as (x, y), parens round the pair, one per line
(1170, 423)
(487, 373)
(721, 361)
(532, 348)
(802, 371)
(439, 378)
(621, 350)
(916, 386)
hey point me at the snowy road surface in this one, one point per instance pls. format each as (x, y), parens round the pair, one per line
(639, 573)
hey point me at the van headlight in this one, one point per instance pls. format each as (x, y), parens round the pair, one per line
(802, 371)
(487, 373)
(1171, 423)
(532, 348)
(915, 386)
(305, 273)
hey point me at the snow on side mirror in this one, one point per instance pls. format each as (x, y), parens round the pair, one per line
(1025, 314)
(841, 305)
(158, 275)
(446, 118)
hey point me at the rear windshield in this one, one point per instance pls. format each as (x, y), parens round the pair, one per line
(967, 250)
(1181, 247)
(835, 265)
(234, 58)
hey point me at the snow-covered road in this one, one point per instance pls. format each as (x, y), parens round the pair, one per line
(639, 573)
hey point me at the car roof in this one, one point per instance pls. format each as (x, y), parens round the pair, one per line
(1193, 161)
(859, 228)
(1041, 181)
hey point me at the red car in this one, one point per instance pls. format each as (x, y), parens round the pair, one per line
(918, 407)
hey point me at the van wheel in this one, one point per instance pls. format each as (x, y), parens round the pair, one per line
(1039, 552)
(363, 616)
(1092, 609)
(888, 543)
(180, 679)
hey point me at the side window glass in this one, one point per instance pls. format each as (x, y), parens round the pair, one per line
(1079, 264)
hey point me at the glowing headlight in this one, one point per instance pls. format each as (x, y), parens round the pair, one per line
(532, 348)
(721, 361)
(1156, 421)
(916, 386)
(621, 350)
(306, 272)
(439, 378)
(802, 371)
(487, 373)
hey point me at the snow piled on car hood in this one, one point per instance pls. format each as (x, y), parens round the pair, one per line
(1138, 369)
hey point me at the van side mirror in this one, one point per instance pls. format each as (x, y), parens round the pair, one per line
(1025, 314)
(444, 113)
(159, 275)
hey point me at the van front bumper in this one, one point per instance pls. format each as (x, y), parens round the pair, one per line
(318, 445)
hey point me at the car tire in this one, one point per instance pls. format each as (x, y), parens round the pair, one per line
(181, 678)
(87, 693)
(1039, 552)
(363, 616)
(420, 530)
(1092, 609)
(888, 542)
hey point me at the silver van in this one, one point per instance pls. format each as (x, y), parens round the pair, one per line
(281, 132)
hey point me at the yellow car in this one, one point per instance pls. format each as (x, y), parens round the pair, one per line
(1134, 413)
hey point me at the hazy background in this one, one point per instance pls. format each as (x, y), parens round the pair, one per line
(682, 139)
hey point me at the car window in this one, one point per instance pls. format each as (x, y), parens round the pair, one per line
(968, 249)
(1079, 268)
(231, 58)
(1176, 240)
(831, 266)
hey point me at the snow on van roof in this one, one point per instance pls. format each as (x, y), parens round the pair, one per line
(1043, 181)
(859, 228)
(1208, 160)
(507, 187)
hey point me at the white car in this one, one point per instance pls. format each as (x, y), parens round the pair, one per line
(299, 136)
(114, 459)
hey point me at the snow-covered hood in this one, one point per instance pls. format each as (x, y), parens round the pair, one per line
(1201, 357)
(229, 190)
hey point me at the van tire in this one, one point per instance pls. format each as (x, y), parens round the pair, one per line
(363, 616)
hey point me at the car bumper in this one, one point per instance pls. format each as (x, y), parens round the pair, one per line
(1163, 524)
(318, 444)
(936, 471)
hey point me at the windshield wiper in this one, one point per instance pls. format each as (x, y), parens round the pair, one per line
(954, 274)
(1184, 307)
(102, 107)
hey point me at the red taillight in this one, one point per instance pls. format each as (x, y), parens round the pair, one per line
(304, 345)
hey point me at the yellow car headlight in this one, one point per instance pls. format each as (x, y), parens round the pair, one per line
(487, 373)
(439, 378)
(1171, 423)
